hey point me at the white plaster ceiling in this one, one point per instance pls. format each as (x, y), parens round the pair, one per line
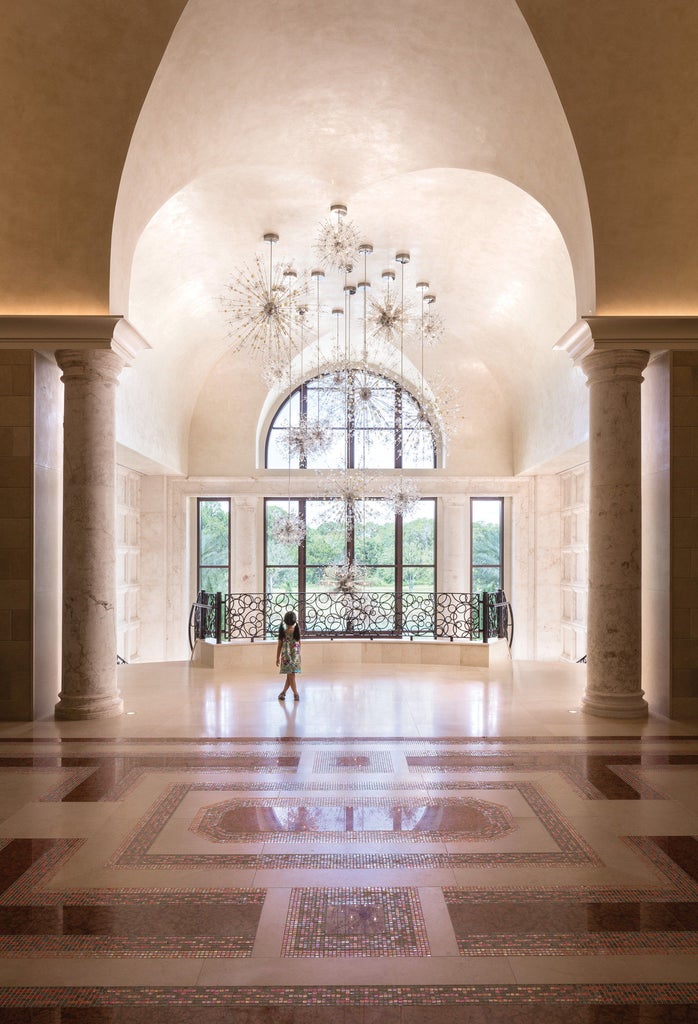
(436, 124)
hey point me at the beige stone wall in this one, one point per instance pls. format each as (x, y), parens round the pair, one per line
(153, 568)
(16, 533)
(548, 568)
(128, 555)
(574, 550)
(684, 534)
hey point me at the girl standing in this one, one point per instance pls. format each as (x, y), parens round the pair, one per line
(288, 653)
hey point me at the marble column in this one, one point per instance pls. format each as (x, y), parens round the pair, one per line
(89, 688)
(613, 686)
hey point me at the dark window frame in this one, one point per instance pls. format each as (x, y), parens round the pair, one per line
(199, 566)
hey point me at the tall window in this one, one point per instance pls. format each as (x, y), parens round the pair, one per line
(396, 554)
(486, 544)
(213, 545)
(374, 423)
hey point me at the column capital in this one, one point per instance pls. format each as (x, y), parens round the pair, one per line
(96, 364)
(648, 333)
(614, 364)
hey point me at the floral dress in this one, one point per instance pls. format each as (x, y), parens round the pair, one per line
(290, 657)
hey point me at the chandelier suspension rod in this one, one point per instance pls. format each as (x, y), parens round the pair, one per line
(423, 285)
(402, 258)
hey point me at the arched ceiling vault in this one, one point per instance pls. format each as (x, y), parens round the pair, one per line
(578, 115)
(74, 77)
(627, 75)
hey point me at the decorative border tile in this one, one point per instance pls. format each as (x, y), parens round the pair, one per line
(636, 994)
(341, 922)
(609, 943)
(142, 947)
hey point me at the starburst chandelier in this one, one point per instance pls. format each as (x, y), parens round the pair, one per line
(337, 245)
(277, 374)
(346, 582)
(433, 325)
(261, 305)
(402, 495)
(346, 579)
(443, 406)
(348, 489)
(389, 317)
(308, 437)
(374, 403)
(289, 529)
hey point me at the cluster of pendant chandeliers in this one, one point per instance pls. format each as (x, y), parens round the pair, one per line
(277, 313)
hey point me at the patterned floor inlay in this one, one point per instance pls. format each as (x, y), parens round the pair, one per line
(511, 926)
(595, 776)
(492, 819)
(325, 820)
(37, 921)
(372, 761)
(292, 867)
(355, 922)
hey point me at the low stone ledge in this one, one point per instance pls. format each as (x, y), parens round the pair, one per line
(259, 655)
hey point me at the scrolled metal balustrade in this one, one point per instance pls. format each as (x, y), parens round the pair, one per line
(359, 615)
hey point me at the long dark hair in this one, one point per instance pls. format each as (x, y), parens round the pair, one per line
(289, 620)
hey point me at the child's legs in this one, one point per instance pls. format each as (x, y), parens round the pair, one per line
(291, 681)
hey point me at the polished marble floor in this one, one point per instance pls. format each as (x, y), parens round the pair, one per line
(404, 844)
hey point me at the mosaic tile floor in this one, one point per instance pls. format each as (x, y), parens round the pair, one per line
(326, 878)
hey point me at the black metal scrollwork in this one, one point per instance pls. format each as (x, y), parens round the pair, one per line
(360, 614)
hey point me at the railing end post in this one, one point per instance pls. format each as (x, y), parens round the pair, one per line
(485, 616)
(218, 606)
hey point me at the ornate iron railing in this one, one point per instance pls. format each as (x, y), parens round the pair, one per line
(370, 614)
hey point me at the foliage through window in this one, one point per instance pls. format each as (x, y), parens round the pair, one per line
(213, 545)
(396, 554)
(486, 544)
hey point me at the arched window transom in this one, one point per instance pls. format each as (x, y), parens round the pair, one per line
(373, 423)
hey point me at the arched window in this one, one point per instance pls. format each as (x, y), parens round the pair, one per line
(373, 423)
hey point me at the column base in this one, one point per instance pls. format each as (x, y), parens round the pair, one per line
(615, 705)
(86, 707)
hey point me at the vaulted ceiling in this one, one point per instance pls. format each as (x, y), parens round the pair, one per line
(537, 160)
(75, 75)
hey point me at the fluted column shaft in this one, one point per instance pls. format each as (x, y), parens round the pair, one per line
(614, 687)
(89, 687)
